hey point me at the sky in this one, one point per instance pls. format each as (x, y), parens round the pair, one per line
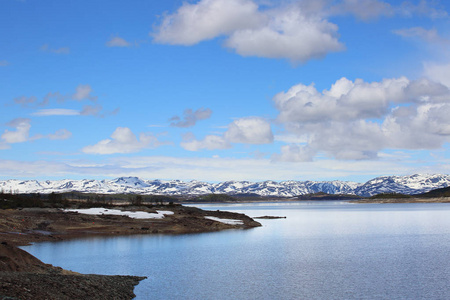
(217, 90)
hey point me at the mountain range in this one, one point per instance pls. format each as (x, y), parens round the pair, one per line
(412, 184)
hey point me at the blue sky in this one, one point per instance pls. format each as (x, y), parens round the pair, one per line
(218, 90)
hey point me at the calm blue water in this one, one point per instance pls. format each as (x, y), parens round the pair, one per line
(322, 250)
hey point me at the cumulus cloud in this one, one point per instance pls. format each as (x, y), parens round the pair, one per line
(249, 130)
(193, 23)
(123, 140)
(117, 42)
(294, 152)
(357, 119)
(62, 50)
(346, 100)
(210, 142)
(190, 117)
(293, 30)
(438, 72)
(21, 133)
(288, 32)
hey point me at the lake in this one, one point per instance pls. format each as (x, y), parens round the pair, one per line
(322, 250)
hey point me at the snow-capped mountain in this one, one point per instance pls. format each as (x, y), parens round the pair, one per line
(413, 184)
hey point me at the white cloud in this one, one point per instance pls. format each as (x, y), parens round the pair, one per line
(210, 142)
(190, 117)
(91, 110)
(423, 8)
(88, 110)
(346, 100)
(363, 9)
(117, 42)
(293, 30)
(20, 134)
(59, 98)
(289, 32)
(193, 23)
(62, 134)
(56, 112)
(428, 35)
(438, 72)
(295, 153)
(249, 130)
(357, 120)
(83, 91)
(4, 63)
(25, 101)
(290, 138)
(219, 169)
(367, 10)
(123, 140)
(62, 50)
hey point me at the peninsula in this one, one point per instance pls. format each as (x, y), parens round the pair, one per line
(23, 276)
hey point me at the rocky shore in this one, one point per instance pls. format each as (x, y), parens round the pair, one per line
(22, 276)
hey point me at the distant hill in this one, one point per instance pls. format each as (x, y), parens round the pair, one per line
(390, 196)
(437, 193)
(325, 196)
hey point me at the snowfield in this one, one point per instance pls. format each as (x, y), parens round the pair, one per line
(116, 212)
(226, 221)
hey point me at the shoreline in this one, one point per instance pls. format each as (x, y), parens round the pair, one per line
(24, 276)
(359, 200)
(406, 200)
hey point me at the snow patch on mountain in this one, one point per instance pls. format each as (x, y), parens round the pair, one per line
(412, 184)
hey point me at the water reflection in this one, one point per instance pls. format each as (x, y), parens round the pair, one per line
(325, 250)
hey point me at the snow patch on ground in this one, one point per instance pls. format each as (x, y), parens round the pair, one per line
(226, 221)
(132, 214)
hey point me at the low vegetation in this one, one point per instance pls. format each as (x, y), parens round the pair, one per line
(11, 200)
(442, 192)
(390, 196)
(64, 200)
(325, 196)
(215, 198)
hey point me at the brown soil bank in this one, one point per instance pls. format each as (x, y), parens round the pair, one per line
(22, 276)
